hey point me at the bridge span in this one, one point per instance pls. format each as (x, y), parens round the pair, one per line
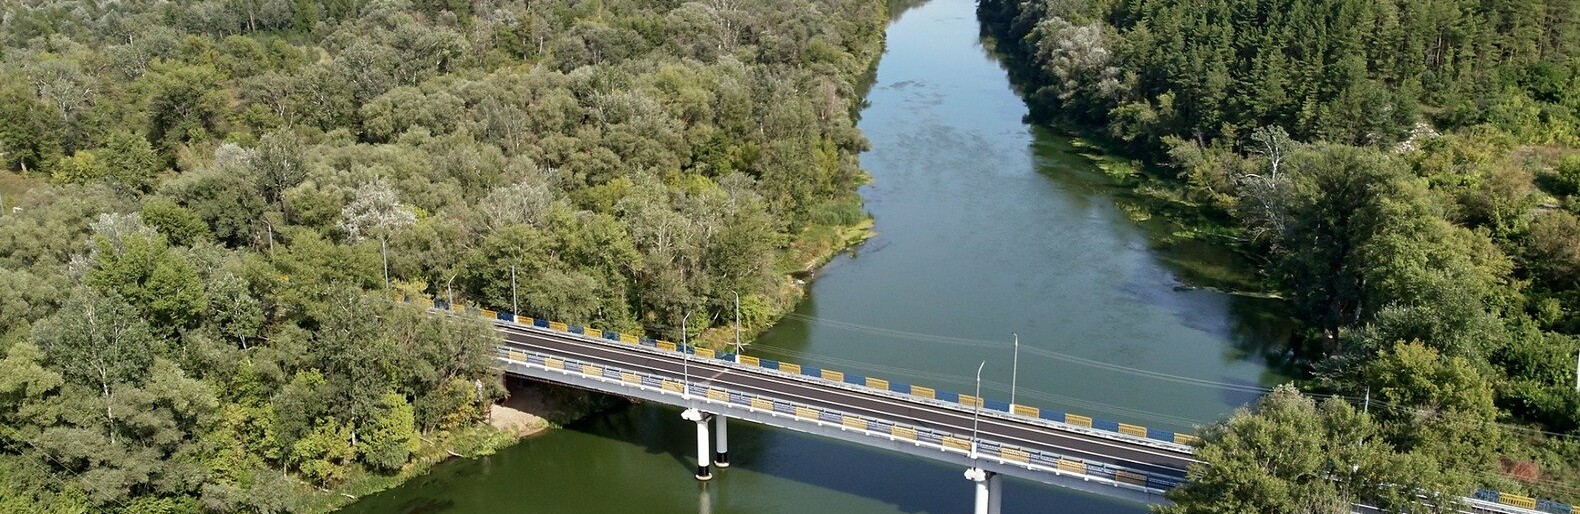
(988, 439)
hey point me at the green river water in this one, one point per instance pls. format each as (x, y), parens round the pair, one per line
(987, 226)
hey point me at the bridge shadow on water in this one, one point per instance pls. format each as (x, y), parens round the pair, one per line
(909, 484)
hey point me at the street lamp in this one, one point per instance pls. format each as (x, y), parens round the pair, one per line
(1014, 372)
(976, 414)
(685, 358)
(450, 290)
(737, 326)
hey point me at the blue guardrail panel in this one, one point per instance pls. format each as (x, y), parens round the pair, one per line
(1554, 507)
(1051, 415)
(1487, 495)
(1103, 424)
(900, 387)
(540, 323)
(577, 329)
(1161, 435)
(1003, 406)
(768, 363)
(851, 378)
(507, 316)
(948, 396)
(611, 335)
(811, 371)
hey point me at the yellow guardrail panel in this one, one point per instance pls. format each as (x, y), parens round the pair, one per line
(1078, 420)
(1135, 430)
(1130, 478)
(630, 378)
(790, 368)
(1186, 439)
(629, 339)
(751, 361)
(970, 401)
(554, 363)
(803, 412)
(924, 392)
(1517, 500)
(589, 369)
(956, 443)
(517, 356)
(903, 433)
(1025, 410)
(761, 404)
(855, 422)
(706, 353)
(558, 327)
(718, 394)
(1012, 454)
(837, 376)
(877, 383)
(524, 321)
(1073, 466)
(666, 345)
(489, 314)
(671, 385)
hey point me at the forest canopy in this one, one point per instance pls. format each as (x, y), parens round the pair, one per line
(1404, 173)
(199, 199)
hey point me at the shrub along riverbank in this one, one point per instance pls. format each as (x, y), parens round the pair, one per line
(207, 193)
(1406, 174)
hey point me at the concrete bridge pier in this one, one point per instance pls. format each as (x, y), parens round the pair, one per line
(701, 418)
(984, 492)
(995, 493)
(721, 447)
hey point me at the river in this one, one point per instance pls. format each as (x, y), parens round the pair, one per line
(987, 227)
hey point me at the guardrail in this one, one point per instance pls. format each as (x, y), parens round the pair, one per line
(1063, 420)
(1057, 419)
(1524, 502)
(1035, 460)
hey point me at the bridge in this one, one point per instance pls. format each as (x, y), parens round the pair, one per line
(989, 439)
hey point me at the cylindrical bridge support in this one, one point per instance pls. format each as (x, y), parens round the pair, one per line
(701, 418)
(983, 499)
(995, 493)
(721, 457)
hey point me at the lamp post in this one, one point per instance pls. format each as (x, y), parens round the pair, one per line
(515, 309)
(738, 327)
(976, 414)
(1014, 371)
(450, 290)
(685, 358)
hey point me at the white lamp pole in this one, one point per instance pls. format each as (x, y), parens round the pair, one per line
(1014, 371)
(976, 414)
(685, 358)
(737, 326)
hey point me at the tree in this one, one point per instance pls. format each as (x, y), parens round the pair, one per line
(101, 342)
(1292, 455)
(391, 437)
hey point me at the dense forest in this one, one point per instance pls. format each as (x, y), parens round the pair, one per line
(1407, 174)
(206, 205)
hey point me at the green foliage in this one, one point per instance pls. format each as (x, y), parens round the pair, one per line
(390, 439)
(1405, 170)
(193, 311)
(1292, 455)
(177, 224)
(322, 453)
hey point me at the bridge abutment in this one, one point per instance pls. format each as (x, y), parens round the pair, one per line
(703, 455)
(721, 455)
